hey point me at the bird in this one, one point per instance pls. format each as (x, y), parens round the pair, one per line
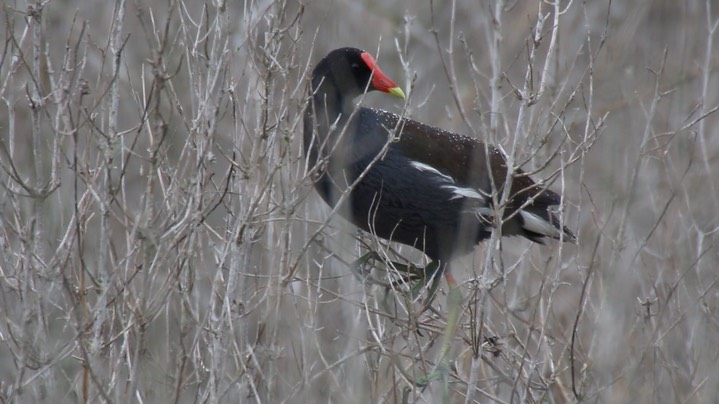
(412, 183)
(409, 182)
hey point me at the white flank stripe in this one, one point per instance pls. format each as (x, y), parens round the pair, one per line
(538, 225)
(430, 169)
(486, 212)
(460, 192)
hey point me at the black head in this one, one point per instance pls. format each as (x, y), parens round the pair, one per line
(352, 71)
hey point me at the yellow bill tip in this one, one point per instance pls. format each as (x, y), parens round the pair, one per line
(396, 91)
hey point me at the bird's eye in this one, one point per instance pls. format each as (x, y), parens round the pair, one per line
(355, 66)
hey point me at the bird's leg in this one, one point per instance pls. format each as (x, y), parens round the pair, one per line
(430, 272)
(454, 302)
(358, 265)
(363, 265)
(410, 273)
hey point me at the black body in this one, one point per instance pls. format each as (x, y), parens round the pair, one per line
(420, 186)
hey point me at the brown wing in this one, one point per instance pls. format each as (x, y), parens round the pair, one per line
(467, 160)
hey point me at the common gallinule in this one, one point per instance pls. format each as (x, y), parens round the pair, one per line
(412, 183)
(409, 182)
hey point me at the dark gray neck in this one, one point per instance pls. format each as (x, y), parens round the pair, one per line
(329, 100)
(326, 115)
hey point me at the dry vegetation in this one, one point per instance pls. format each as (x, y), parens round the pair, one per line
(160, 241)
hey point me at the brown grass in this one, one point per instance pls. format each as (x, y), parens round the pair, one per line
(160, 241)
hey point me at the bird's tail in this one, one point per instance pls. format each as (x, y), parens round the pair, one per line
(540, 223)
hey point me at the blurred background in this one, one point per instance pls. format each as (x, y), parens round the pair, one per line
(161, 241)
